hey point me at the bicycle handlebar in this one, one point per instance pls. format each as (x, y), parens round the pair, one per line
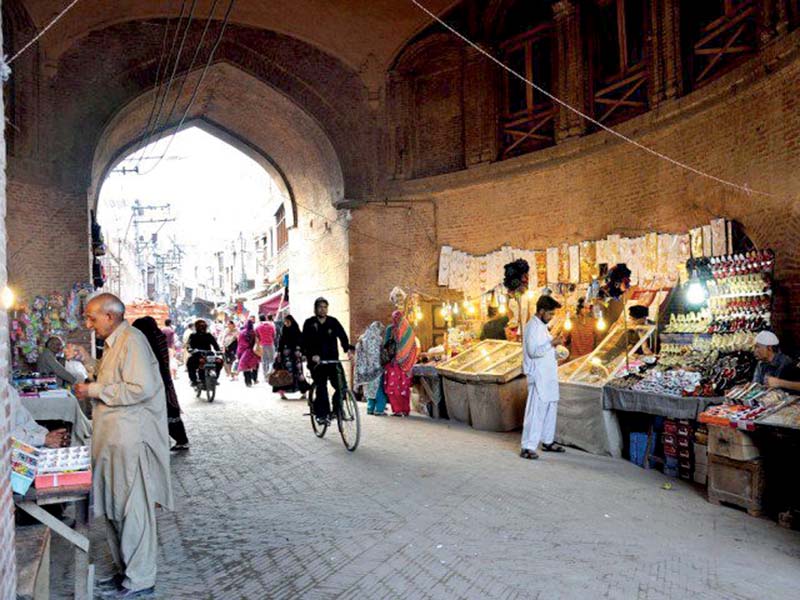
(333, 362)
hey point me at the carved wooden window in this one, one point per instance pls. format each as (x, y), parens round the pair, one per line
(528, 117)
(720, 34)
(282, 231)
(794, 13)
(619, 31)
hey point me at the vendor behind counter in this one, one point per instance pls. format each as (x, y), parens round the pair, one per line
(495, 327)
(774, 369)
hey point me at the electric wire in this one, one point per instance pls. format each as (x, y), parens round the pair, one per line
(159, 73)
(196, 90)
(743, 188)
(168, 88)
(42, 32)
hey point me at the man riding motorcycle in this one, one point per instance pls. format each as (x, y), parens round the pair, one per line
(201, 339)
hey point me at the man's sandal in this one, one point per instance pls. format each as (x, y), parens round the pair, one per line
(529, 454)
(552, 448)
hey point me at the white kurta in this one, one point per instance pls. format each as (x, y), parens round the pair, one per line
(130, 452)
(540, 365)
(130, 424)
(26, 430)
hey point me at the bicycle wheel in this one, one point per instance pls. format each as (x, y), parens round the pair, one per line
(211, 391)
(349, 421)
(319, 430)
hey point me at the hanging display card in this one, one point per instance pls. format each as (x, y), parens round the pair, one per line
(541, 269)
(444, 265)
(588, 257)
(635, 260)
(552, 265)
(601, 252)
(574, 264)
(563, 264)
(697, 241)
(612, 250)
(719, 239)
(707, 235)
(651, 255)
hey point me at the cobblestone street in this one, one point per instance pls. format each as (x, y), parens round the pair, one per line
(428, 509)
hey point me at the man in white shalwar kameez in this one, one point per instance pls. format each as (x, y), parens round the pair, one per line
(539, 364)
(130, 447)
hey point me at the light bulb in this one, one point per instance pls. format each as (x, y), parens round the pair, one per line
(455, 308)
(529, 294)
(601, 324)
(502, 309)
(466, 303)
(695, 293)
(471, 309)
(7, 297)
(568, 324)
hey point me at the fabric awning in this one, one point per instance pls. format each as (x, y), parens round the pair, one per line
(273, 303)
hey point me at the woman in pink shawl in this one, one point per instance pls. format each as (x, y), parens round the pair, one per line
(248, 361)
(397, 373)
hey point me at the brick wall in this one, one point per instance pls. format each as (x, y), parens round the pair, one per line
(8, 572)
(744, 127)
(48, 239)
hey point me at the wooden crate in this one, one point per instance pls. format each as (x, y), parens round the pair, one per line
(731, 443)
(736, 482)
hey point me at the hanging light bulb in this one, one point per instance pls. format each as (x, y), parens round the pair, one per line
(466, 303)
(7, 297)
(696, 292)
(470, 308)
(601, 324)
(568, 323)
(455, 308)
(502, 309)
(529, 294)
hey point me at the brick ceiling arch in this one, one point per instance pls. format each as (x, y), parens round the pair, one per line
(113, 67)
(289, 144)
(356, 32)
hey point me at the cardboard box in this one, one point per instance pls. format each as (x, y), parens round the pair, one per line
(53, 480)
(731, 443)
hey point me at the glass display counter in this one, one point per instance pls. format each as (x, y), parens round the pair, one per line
(604, 361)
(491, 361)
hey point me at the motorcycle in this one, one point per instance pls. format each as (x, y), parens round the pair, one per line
(207, 373)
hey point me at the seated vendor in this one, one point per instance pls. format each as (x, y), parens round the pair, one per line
(28, 431)
(495, 327)
(50, 362)
(638, 317)
(772, 363)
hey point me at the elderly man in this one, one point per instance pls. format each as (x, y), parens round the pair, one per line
(773, 365)
(130, 447)
(49, 363)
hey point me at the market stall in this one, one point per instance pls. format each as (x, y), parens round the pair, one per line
(583, 421)
(483, 386)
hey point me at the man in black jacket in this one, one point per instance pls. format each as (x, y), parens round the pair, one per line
(320, 334)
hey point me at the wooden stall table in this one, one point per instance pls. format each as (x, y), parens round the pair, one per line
(483, 386)
(660, 405)
(81, 497)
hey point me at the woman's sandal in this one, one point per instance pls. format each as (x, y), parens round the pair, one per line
(529, 454)
(552, 448)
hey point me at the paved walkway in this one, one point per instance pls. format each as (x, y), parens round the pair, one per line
(428, 509)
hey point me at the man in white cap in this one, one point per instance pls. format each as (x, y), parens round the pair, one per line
(771, 361)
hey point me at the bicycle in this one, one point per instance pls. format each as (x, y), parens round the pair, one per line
(347, 416)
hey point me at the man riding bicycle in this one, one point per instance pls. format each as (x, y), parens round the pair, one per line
(320, 335)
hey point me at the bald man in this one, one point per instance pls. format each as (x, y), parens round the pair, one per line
(130, 446)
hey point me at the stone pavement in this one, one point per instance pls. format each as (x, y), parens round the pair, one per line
(427, 509)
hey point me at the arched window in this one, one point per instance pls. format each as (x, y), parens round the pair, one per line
(618, 31)
(527, 117)
(718, 34)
